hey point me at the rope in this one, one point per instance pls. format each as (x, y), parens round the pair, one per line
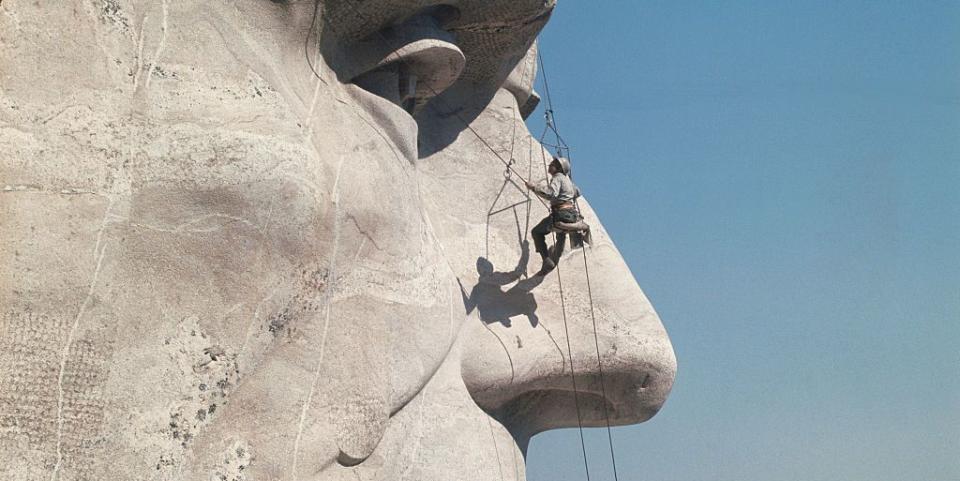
(546, 84)
(573, 376)
(603, 389)
(563, 311)
(508, 179)
(551, 124)
(529, 175)
(306, 42)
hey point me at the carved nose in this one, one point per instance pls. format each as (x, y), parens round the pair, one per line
(623, 365)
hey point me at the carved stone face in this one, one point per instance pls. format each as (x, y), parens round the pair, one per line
(255, 240)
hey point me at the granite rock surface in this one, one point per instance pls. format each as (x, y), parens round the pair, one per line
(255, 240)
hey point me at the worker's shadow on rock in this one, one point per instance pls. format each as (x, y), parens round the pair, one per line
(496, 305)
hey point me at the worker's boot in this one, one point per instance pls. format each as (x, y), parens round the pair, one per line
(548, 265)
(555, 251)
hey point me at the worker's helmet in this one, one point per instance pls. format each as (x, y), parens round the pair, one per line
(563, 163)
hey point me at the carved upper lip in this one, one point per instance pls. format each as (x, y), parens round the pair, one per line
(408, 63)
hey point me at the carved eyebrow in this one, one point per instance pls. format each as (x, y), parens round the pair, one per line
(490, 26)
(488, 33)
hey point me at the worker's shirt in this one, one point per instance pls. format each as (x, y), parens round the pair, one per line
(560, 190)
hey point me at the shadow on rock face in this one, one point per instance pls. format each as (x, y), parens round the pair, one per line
(445, 117)
(492, 303)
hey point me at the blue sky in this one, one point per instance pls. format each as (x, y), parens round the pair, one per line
(783, 179)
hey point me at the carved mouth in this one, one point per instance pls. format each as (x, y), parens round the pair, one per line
(411, 62)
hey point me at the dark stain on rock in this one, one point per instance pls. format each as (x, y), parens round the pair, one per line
(279, 321)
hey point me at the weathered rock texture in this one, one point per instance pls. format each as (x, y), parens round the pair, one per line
(223, 259)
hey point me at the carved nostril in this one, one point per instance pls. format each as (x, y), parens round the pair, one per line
(646, 382)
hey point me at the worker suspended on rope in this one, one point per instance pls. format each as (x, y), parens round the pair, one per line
(561, 192)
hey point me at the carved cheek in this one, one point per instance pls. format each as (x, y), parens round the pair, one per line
(355, 310)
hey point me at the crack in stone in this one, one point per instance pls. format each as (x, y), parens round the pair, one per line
(362, 232)
(100, 250)
(162, 44)
(183, 228)
(136, 78)
(326, 322)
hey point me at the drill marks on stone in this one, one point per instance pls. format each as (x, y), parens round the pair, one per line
(328, 299)
(83, 407)
(28, 353)
(100, 250)
(161, 45)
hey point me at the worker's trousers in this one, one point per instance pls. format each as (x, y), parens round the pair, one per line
(541, 230)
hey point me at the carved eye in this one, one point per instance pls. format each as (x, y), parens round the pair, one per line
(409, 62)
